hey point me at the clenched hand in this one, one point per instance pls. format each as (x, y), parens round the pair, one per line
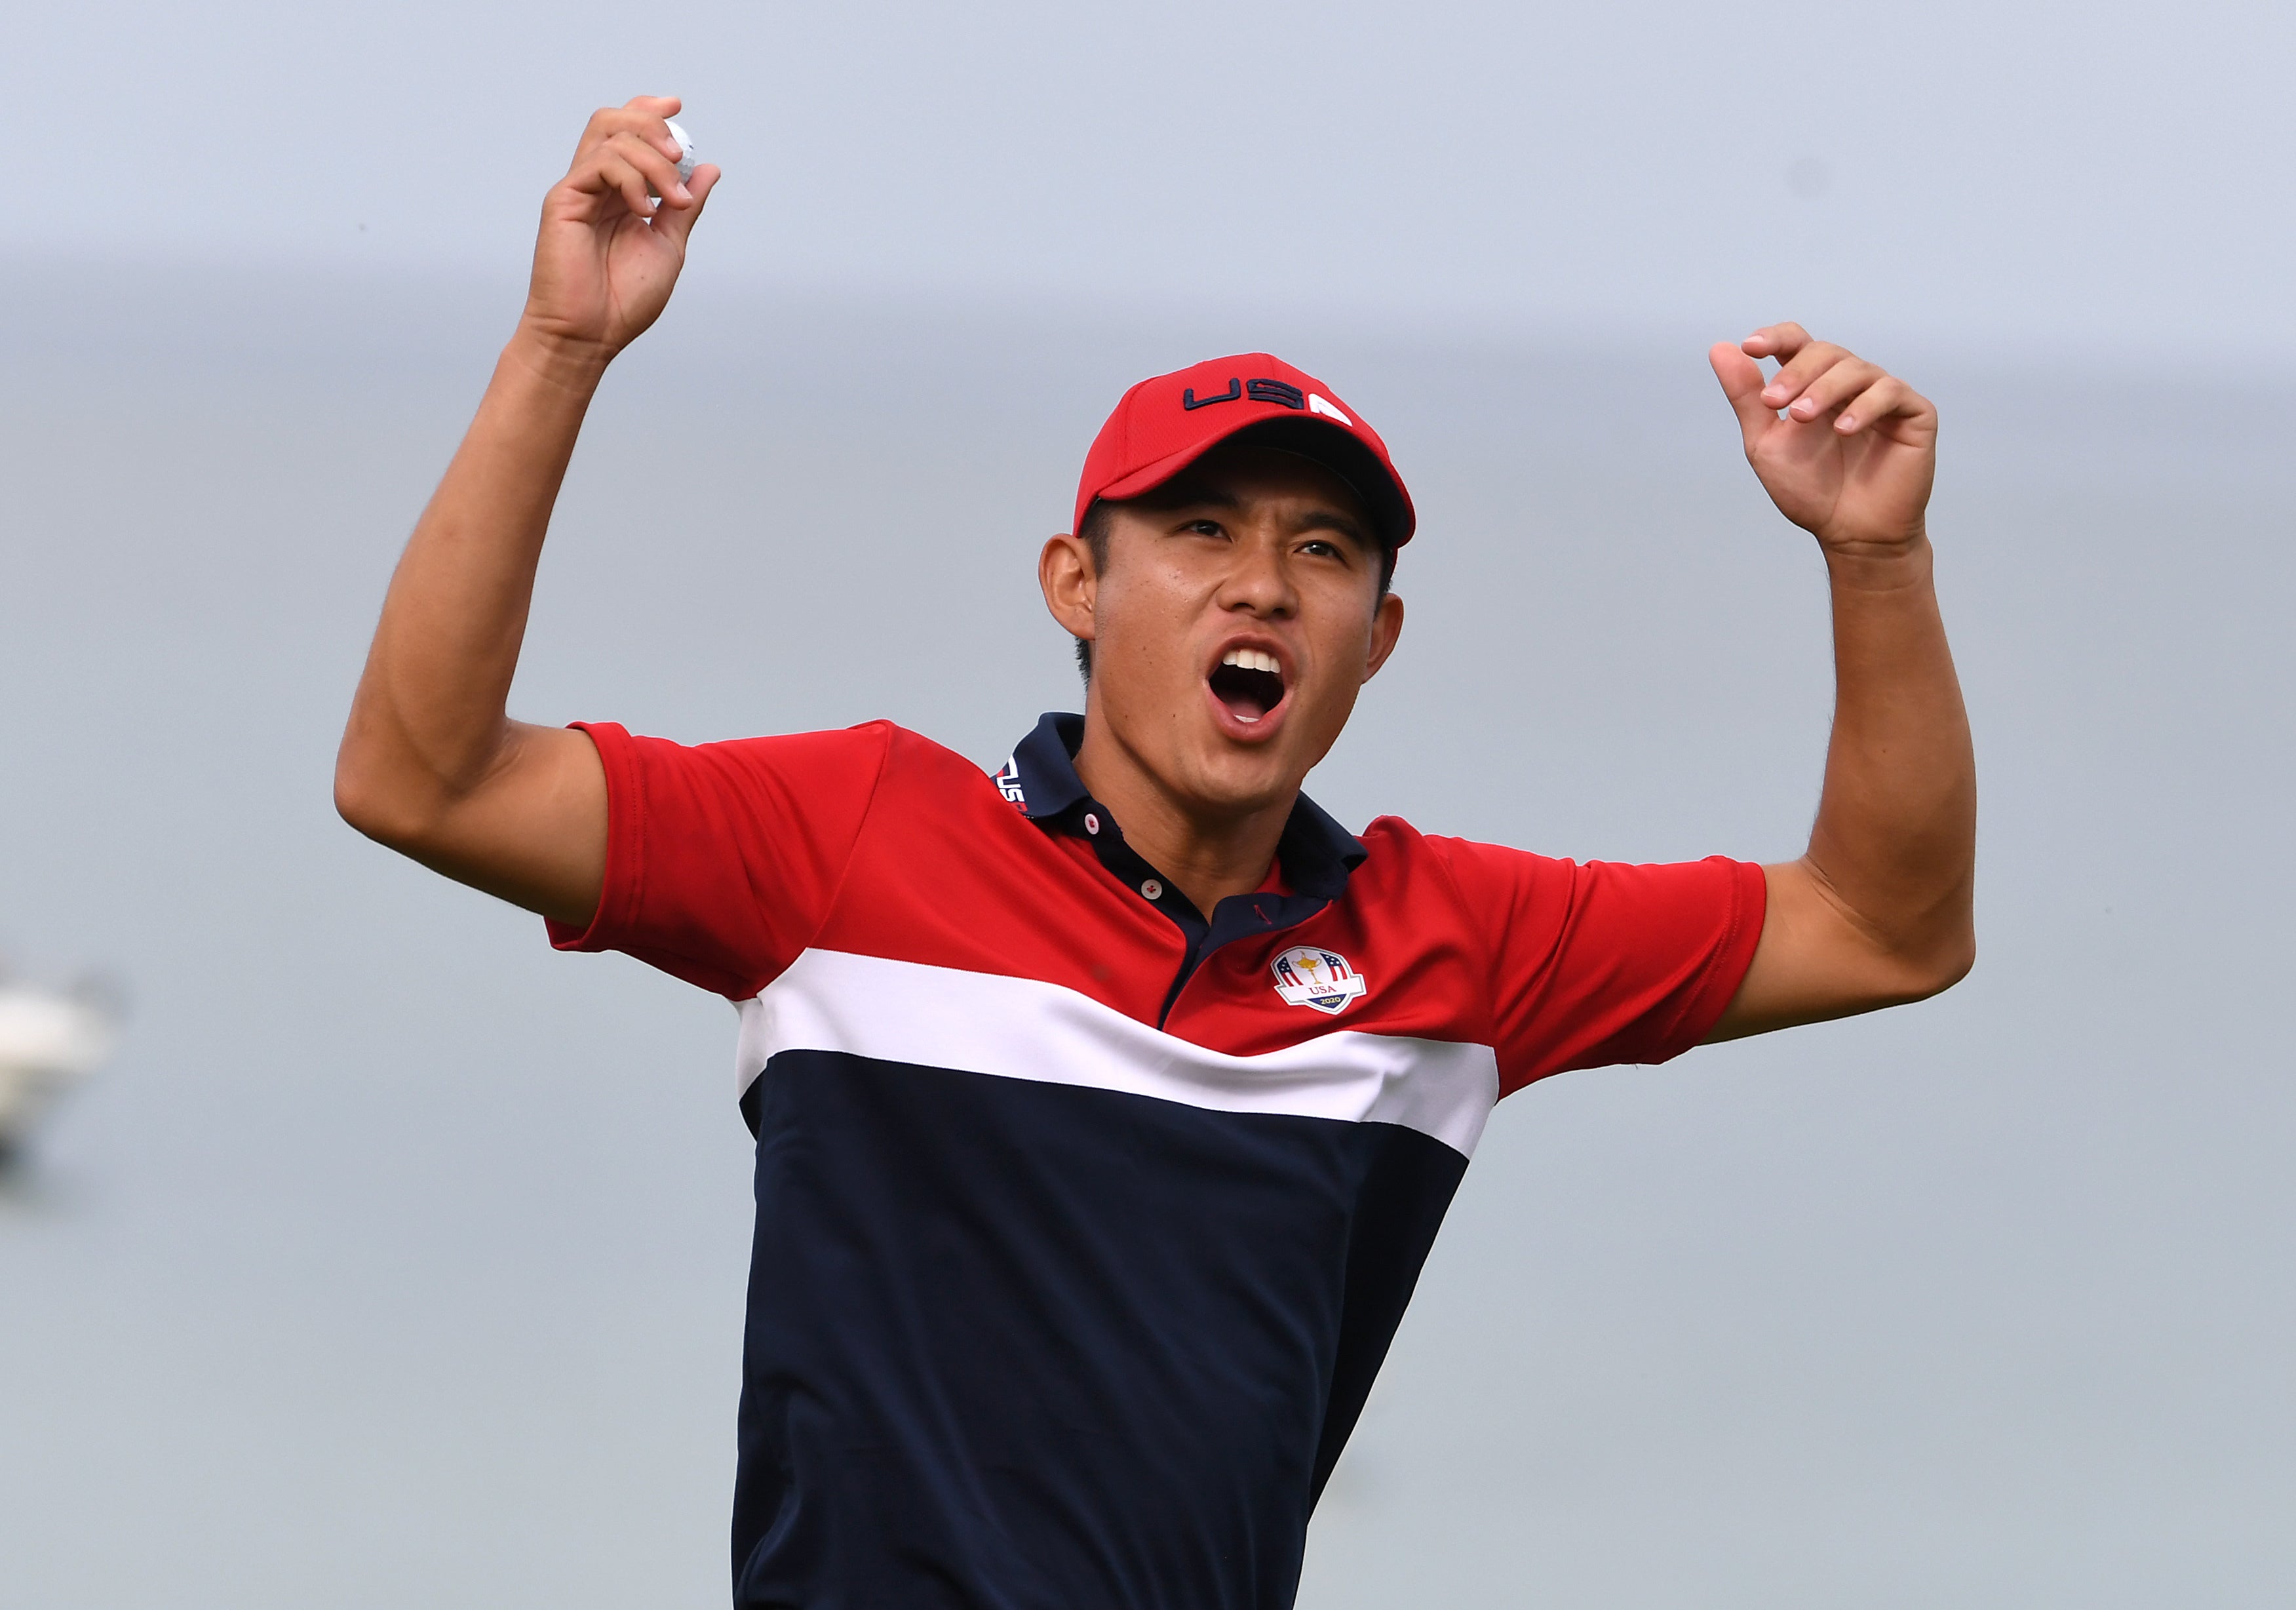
(608, 254)
(1853, 457)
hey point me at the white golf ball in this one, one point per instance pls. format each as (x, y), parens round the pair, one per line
(685, 150)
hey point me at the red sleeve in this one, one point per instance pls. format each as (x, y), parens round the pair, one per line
(722, 860)
(1605, 963)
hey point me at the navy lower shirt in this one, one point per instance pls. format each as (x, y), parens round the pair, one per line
(1084, 1218)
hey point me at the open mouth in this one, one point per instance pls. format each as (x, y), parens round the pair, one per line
(1249, 681)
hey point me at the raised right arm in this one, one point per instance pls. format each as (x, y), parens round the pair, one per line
(431, 764)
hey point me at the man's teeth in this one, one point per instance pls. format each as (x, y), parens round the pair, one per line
(1251, 658)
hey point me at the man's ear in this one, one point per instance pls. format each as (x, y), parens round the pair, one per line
(1386, 627)
(1064, 571)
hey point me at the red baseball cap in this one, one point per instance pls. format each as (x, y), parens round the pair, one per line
(1165, 424)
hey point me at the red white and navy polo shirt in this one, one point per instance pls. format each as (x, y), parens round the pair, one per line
(1084, 1218)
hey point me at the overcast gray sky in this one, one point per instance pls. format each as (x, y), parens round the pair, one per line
(397, 1260)
(2109, 174)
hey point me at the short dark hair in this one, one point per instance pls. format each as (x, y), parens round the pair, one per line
(1099, 519)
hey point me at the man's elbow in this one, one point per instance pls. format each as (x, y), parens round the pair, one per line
(366, 801)
(1932, 969)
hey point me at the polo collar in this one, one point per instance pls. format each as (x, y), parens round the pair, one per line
(1316, 853)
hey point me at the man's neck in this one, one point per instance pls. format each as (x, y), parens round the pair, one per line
(1206, 856)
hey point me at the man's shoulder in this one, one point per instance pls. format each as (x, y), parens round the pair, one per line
(863, 737)
(901, 765)
(834, 761)
(1394, 842)
(1426, 877)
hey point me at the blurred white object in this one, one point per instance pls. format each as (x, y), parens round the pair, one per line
(684, 149)
(49, 1041)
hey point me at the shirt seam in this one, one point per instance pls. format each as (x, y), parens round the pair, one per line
(1490, 954)
(852, 853)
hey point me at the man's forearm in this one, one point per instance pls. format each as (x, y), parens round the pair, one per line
(1895, 840)
(429, 720)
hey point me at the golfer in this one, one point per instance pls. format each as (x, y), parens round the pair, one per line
(1107, 1104)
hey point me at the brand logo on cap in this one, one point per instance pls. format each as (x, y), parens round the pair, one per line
(1282, 393)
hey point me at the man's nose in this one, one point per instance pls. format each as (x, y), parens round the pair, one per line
(1258, 580)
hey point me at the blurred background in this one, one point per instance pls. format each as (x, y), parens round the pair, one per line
(393, 1259)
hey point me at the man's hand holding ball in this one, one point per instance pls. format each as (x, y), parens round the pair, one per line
(612, 238)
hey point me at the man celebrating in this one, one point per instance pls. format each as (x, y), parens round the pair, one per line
(1107, 1107)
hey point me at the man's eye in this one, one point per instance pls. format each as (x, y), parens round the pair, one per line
(1320, 547)
(1203, 528)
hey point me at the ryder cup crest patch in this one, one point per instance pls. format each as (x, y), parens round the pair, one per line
(1308, 975)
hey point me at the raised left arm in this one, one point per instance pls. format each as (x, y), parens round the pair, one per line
(1876, 912)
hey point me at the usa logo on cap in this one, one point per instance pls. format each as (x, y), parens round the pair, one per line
(1309, 975)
